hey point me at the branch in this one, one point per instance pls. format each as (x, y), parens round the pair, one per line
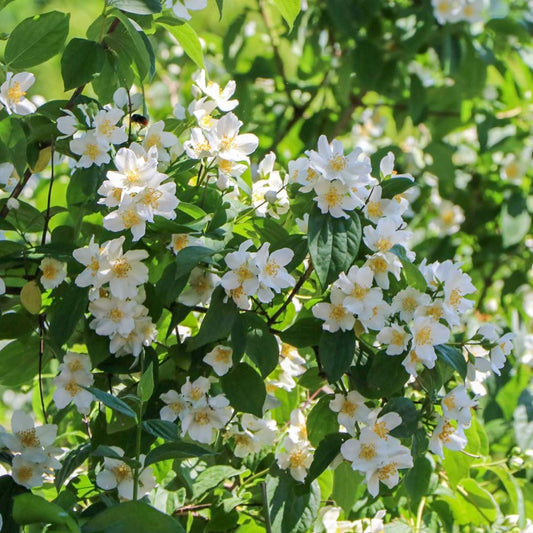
(293, 293)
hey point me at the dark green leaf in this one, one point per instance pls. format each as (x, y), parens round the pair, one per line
(139, 7)
(31, 509)
(175, 450)
(145, 387)
(13, 143)
(261, 345)
(407, 410)
(391, 187)
(333, 243)
(19, 361)
(410, 272)
(245, 389)
(336, 351)
(417, 480)
(8, 490)
(132, 517)
(325, 453)
(36, 39)
(321, 421)
(70, 462)
(303, 333)
(453, 357)
(213, 476)
(81, 61)
(114, 403)
(15, 325)
(217, 322)
(161, 428)
(65, 313)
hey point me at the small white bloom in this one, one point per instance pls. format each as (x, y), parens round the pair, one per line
(334, 197)
(426, 335)
(396, 339)
(175, 405)
(201, 286)
(220, 359)
(448, 434)
(457, 404)
(27, 473)
(91, 149)
(106, 129)
(297, 457)
(13, 92)
(351, 409)
(8, 177)
(335, 314)
(228, 143)
(54, 272)
(155, 136)
(181, 7)
(220, 95)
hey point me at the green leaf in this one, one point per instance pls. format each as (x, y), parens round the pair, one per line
(336, 351)
(515, 220)
(245, 389)
(15, 325)
(65, 313)
(176, 451)
(8, 491)
(132, 517)
(189, 41)
(321, 421)
(289, 10)
(217, 322)
(19, 361)
(261, 346)
(26, 218)
(410, 272)
(417, 480)
(333, 243)
(349, 486)
(220, 5)
(292, 507)
(13, 143)
(161, 428)
(483, 509)
(452, 357)
(81, 61)
(213, 476)
(114, 403)
(70, 462)
(135, 48)
(325, 453)
(145, 387)
(303, 333)
(391, 187)
(32, 509)
(407, 410)
(36, 39)
(139, 7)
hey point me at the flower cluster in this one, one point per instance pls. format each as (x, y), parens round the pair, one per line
(116, 301)
(200, 414)
(375, 452)
(258, 274)
(34, 453)
(251, 434)
(137, 190)
(74, 374)
(450, 11)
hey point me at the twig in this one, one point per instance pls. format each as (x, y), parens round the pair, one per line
(49, 200)
(41, 355)
(292, 294)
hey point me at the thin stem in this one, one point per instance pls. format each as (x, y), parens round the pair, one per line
(138, 437)
(49, 200)
(41, 355)
(419, 514)
(292, 294)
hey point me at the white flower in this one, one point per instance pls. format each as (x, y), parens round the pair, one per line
(335, 314)
(220, 359)
(8, 177)
(94, 259)
(28, 439)
(70, 389)
(447, 434)
(387, 470)
(67, 124)
(119, 475)
(201, 422)
(301, 172)
(155, 136)
(382, 264)
(472, 11)
(386, 167)
(332, 164)
(176, 405)
(198, 147)
(113, 315)
(181, 7)
(244, 272)
(272, 273)
(143, 334)
(297, 457)
(457, 404)
(220, 95)
(106, 129)
(334, 197)
(226, 170)
(13, 92)
(182, 240)
(27, 473)
(264, 430)
(351, 409)
(357, 286)
(407, 301)
(228, 143)
(427, 333)
(377, 208)
(446, 10)
(126, 217)
(201, 286)
(124, 271)
(385, 235)
(449, 219)
(332, 524)
(196, 392)
(92, 150)
(54, 272)
(395, 337)
(499, 353)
